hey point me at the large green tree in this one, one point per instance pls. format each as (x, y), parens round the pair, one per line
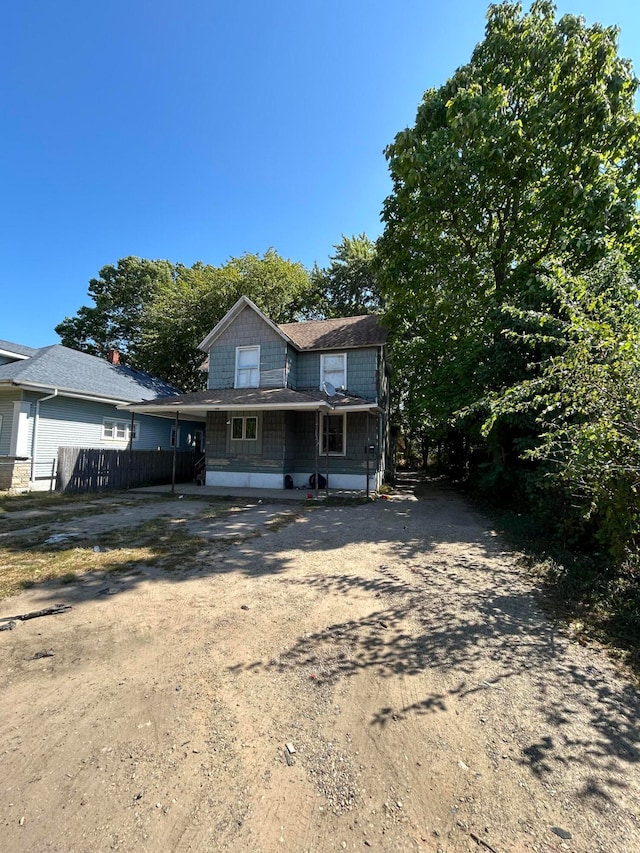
(584, 392)
(120, 294)
(348, 286)
(530, 152)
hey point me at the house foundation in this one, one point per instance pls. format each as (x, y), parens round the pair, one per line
(15, 472)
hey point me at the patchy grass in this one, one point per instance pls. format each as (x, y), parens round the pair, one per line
(164, 542)
(39, 523)
(161, 542)
(24, 568)
(42, 500)
(283, 520)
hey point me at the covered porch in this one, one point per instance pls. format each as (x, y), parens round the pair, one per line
(265, 439)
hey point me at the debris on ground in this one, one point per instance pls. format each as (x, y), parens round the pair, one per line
(35, 614)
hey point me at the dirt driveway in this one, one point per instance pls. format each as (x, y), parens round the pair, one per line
(396, 647)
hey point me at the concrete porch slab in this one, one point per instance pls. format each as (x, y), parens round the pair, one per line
(279, 495)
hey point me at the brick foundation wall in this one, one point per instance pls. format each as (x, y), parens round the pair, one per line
(15, 472)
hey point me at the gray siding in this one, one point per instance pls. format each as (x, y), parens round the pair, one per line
(265, 455)
(248, 329)
(354, 462)
(361, 371)
(292, 368)
(308, 370)
(222, 363)
(288, 445)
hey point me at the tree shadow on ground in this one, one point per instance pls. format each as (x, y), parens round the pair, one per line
(479, 641)
(460, 613)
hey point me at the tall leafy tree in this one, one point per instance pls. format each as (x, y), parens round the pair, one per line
(348, 286)
(119, 294)
(529, 152)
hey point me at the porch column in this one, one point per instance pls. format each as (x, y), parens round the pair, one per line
(317, 450)
(175, 455)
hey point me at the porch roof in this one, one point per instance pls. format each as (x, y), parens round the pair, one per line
(198, 403)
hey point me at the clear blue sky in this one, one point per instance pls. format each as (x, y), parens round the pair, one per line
(197, 130)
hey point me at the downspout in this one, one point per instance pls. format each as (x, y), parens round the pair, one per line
(34, 436)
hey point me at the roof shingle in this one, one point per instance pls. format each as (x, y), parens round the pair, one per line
(339, 333)
(67, 369)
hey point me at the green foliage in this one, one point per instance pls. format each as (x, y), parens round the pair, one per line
(348, 286)
(119, 295)
(586, 397)
(529, 152)
(520, 175)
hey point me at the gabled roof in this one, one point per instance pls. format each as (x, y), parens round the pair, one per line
(229, 317)
(339, 333)
(19, 351)
(67, 370)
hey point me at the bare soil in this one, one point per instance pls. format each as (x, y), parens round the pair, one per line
(396, 646)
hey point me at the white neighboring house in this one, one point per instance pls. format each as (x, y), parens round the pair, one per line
(58, 397)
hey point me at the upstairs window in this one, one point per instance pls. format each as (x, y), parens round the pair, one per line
(247, 367)
(333, 369)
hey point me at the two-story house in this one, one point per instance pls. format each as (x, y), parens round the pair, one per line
(290, 402)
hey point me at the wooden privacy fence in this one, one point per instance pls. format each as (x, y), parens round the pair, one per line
(94, 470)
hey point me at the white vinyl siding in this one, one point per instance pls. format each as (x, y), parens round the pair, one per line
(247, 367)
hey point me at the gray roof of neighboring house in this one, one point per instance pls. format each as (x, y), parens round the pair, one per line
(339, 333)
(69, 370)
(18, 349)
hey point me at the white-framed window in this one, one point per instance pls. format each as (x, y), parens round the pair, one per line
(247, 367)
(244, 428)
(333, 369)
(114, 430)
(333, 435)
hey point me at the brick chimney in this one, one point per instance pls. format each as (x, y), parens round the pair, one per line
(113, 356)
